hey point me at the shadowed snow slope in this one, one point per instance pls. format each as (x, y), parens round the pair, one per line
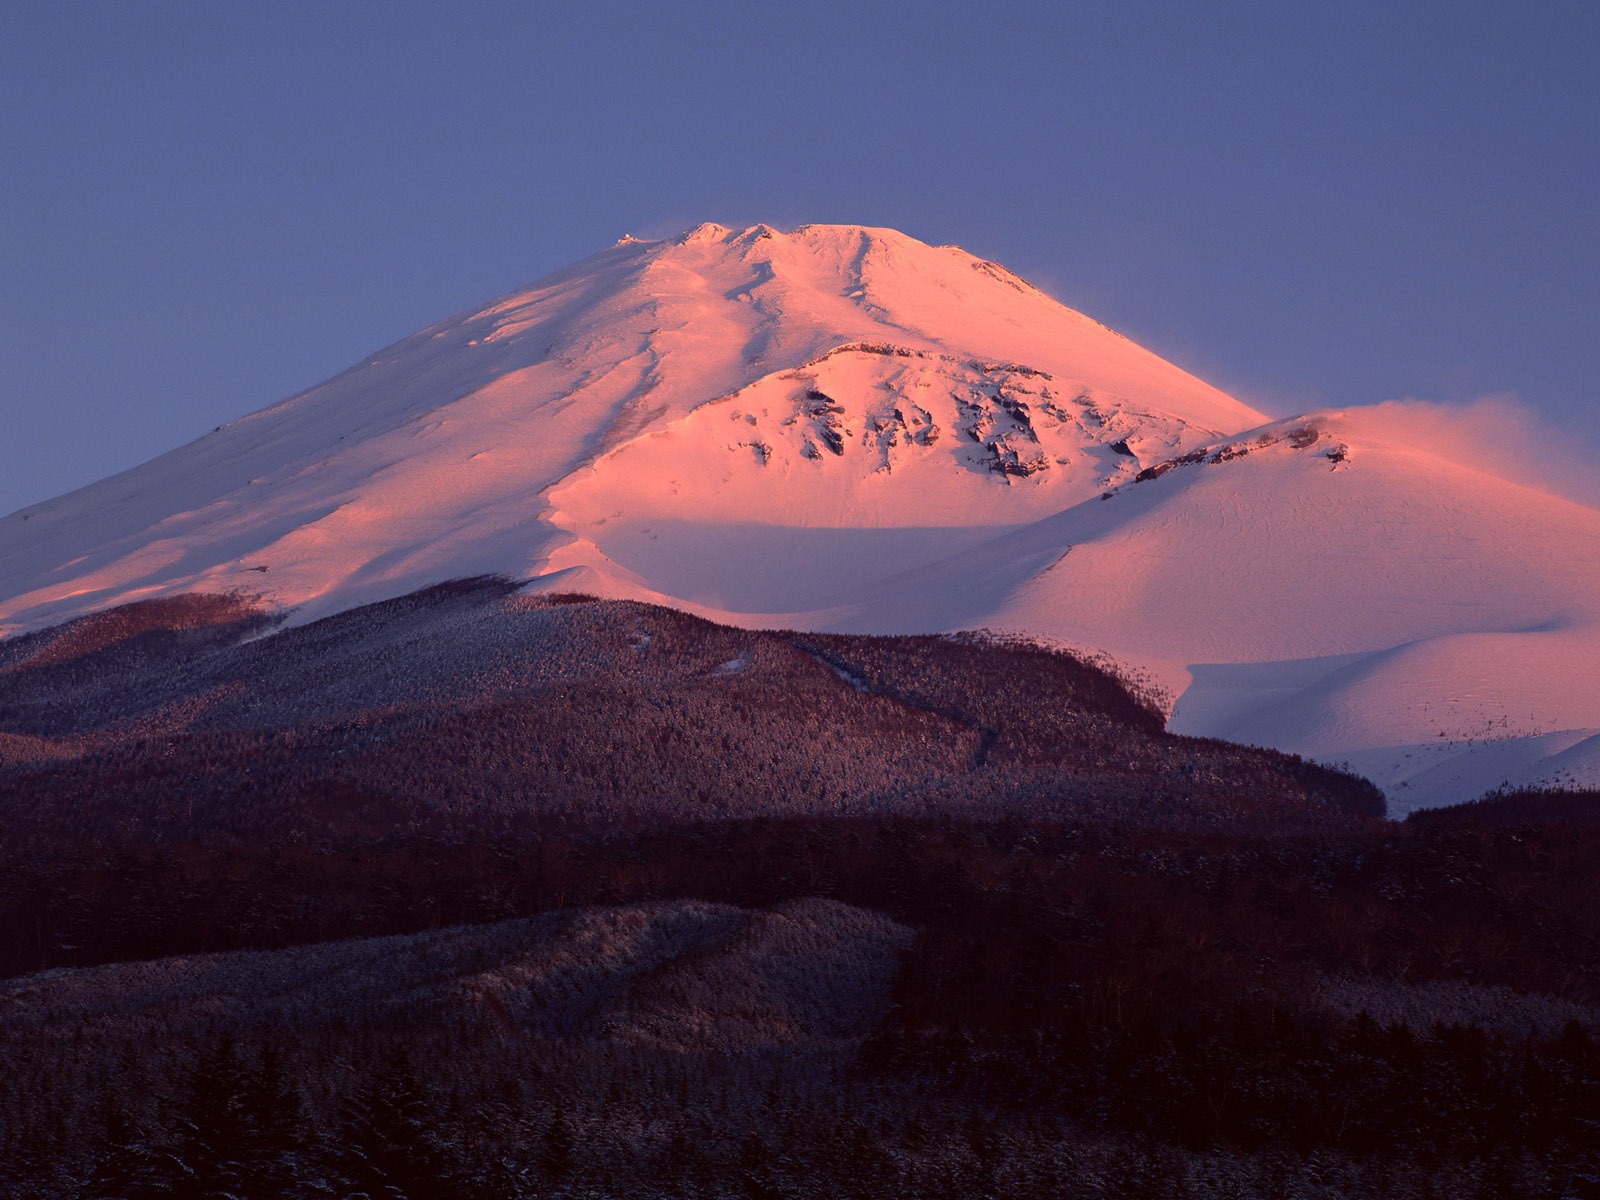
(843, 428)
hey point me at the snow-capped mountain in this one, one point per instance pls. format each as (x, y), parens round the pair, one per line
(843, 428)
(443, 454)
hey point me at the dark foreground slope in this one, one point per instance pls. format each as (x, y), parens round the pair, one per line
(858, 1007)
(503, 897)
(468, 703)
(207, 784)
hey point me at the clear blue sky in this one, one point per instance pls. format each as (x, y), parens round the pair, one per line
(205, 207)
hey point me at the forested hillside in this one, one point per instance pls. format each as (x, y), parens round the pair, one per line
(470, 894)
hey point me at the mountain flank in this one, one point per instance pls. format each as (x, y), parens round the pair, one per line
(471, 705)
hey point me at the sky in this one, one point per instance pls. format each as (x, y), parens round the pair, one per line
(207, 207)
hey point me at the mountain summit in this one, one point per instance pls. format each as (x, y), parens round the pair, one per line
(438, 456)
(841, 427)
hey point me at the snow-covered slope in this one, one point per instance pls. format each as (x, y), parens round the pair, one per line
(434, 457)
(841, 427)
(1330, 585)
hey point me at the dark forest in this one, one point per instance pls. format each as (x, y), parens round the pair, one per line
(476, 894)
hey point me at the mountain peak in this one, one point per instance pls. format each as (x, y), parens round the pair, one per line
(444, 454)
(706, 231)
(841, 427)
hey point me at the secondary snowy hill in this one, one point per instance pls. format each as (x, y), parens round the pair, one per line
(842, 428)
(1333, 585)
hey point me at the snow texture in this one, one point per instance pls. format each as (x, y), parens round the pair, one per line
(840, 428)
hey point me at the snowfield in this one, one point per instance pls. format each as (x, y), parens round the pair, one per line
(840, 428)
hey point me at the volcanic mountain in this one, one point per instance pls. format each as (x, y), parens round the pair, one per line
(841, 428)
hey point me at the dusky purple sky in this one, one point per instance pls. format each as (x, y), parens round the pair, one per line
(206, 207)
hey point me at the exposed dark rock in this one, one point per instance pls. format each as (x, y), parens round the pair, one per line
(1009, 461)
(1161, 468)
(1303, 436)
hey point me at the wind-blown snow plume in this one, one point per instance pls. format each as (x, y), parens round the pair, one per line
(1504, 437)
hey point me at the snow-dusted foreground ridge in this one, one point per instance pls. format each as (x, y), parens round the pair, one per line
(842, 428)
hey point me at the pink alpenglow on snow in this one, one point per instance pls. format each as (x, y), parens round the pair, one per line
(843, 428)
